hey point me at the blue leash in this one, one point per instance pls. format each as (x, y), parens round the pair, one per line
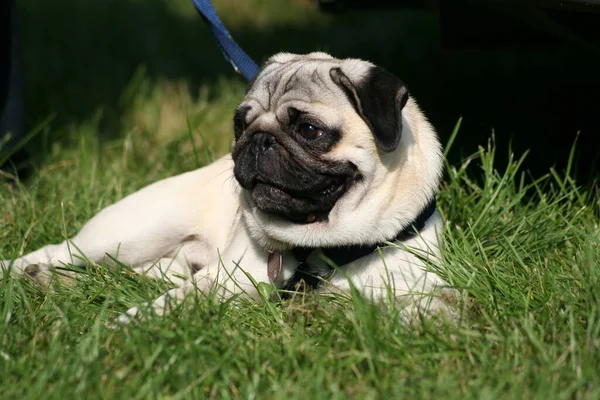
(240, 61)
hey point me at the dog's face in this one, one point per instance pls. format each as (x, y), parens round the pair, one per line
(326, 152)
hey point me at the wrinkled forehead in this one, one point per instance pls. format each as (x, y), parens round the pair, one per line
(295, 83)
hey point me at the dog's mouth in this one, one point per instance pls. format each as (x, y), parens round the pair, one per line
(303, 207)
(286, 180)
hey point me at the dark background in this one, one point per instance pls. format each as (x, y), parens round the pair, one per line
(531, 74)
(533, 87)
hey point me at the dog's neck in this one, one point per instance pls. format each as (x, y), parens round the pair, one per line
(343, 255)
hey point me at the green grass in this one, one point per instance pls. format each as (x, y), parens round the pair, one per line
(527, 256)
(524, 250)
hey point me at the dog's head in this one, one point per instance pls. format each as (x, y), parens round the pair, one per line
(331, 152)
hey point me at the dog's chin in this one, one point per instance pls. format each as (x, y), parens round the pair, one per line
(299, 208)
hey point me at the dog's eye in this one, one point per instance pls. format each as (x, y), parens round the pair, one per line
(309, 131)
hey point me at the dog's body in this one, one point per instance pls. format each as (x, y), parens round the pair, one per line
(328, 153)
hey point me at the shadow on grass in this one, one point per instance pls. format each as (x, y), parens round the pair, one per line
(79, 56)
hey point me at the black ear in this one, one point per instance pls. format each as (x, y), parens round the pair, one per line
(379, 98)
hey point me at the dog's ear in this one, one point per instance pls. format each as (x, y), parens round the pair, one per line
(379, 98)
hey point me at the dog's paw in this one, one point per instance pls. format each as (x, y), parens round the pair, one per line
(40, 272)
(46, 274)
(126, 318)
(158, 307)
(37, 270)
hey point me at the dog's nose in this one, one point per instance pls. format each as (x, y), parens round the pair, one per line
(263, 141)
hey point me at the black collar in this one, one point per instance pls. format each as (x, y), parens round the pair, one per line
(343, 255)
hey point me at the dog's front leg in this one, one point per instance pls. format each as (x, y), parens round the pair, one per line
(238, 270)
(137, 229)
(166, 219)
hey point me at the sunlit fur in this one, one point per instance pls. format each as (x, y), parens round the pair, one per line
(205, 220)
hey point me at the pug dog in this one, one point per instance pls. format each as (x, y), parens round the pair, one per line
(336, 172)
